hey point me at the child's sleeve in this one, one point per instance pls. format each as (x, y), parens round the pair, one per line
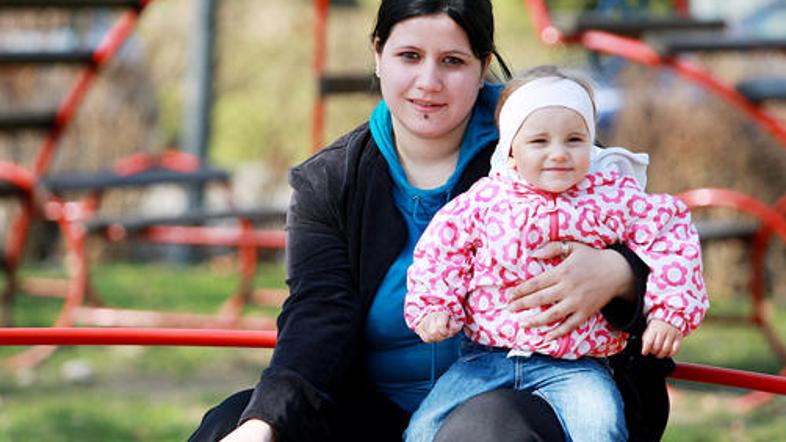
(661, 233)
(438, 279)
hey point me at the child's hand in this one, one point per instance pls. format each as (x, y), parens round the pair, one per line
(436, 327)
(661, 339)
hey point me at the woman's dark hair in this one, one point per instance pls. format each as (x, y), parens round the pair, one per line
(475, 17)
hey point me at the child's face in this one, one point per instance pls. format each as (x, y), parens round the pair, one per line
(552, 149)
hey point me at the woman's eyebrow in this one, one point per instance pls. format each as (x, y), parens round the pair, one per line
(458, 52)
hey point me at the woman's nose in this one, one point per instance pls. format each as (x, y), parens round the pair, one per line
(429, 77)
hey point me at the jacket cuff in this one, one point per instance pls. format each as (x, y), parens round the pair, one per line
(673, 318)
(413, 317)
(290, 405)
(628, 316)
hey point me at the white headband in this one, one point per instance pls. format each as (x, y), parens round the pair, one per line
(537, 94)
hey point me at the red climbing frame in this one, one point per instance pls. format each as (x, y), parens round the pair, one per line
(25, 180)
(639, 52)
(321, 8)
(39, 196)
(773, 220)
(330, 84)
(83, 306)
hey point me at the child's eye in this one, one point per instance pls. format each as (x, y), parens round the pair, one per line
(576, 139)
(538, 141)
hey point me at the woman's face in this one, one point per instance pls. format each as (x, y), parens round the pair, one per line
(429, 76)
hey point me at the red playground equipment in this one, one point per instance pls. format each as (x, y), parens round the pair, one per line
(46, 196)
(329, 84)
(625, 38)
(267, 339)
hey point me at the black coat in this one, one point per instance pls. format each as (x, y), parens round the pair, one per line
(343, 233)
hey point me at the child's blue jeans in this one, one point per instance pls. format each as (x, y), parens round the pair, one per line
(582, 392)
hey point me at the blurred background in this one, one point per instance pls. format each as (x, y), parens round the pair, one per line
(263, 93)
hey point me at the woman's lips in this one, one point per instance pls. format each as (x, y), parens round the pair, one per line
(426, 106)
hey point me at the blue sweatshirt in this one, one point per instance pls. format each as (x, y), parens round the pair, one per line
(401, 366)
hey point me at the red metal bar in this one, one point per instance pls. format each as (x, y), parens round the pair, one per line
(17, 176)
(758, 257)
(682, 6)
(74, 237)
(713, 197)
(174, 160)
(541, 19)
(267, 339)
(139, 336)
(629, 48)
(321, 10)
(17, 235)
(730, 377)
(760, 247)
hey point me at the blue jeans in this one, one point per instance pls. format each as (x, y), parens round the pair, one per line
(582, 392)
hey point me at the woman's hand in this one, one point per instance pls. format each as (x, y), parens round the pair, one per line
(583, 283)
(252, 430)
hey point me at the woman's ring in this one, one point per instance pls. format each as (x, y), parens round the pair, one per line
(565, 248)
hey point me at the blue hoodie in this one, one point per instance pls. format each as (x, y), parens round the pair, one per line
(399, 363)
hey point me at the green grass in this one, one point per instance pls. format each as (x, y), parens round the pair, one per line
(70, 414)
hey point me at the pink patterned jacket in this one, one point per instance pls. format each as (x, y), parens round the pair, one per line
(477, 248)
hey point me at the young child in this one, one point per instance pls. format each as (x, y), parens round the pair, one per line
(480, 246)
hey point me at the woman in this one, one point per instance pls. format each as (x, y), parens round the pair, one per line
(346, 367)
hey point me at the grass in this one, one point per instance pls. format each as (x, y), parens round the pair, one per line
(159, 393)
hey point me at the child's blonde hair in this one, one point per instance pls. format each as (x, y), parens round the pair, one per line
(546, 70)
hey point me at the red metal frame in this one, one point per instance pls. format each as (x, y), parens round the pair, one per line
(111, 43)
(267, 339)
(23, 180)
(72, 216)
(639, 52)
(773, 220)
(321, 9)
(730, 377)
(109, 46)
(138, 336)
